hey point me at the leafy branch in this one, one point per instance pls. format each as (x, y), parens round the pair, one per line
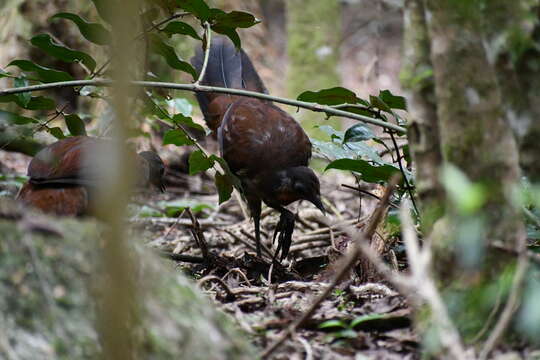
(203, 88)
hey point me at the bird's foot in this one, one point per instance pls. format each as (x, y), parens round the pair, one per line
(284, 228)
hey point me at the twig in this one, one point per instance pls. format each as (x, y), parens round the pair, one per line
(230, 294)
(348, 263)
(183, 258)
(198, 234)
(408, 186)
(208, 38)
(529, 215)
(203, 88)
(238, 271)
(423, 283)
(509, 308)
(367, 193)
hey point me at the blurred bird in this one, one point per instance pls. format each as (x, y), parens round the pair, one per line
(63, 175)
(262, 144)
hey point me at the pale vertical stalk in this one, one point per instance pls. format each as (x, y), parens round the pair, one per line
(117, 319)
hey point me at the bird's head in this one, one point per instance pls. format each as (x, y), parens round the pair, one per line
(155, 169)
(306, 186)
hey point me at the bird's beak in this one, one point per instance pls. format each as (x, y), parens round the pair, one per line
(318, 203)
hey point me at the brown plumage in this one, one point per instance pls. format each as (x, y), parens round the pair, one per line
(62, 176)
(262, 144)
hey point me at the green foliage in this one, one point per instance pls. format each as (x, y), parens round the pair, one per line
(369, 173)
(52, 48)
(332, 96)
(176, 137)
(44, 73)
(179, 27)
(93, 32)
(75, 125)
(12, 118)
(158, 46)
(199, 162)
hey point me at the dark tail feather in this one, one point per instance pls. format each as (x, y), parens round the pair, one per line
(227, 67)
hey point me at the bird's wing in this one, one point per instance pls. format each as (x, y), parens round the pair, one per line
(257, 136)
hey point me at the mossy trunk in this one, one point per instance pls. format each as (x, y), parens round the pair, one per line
(474, 133)
(50, 299)
(423, 132)
(313, 30)
(518, 72)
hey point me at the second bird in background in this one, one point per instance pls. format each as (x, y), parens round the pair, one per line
(262, 144)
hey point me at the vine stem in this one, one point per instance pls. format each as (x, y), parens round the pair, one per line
(208, 38)
(203, 88)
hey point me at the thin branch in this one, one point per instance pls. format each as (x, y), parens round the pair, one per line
(399, 157)
(203, 88)
(509, 308)
(420, 269)
(348, 263)
(208, 38)
(366, 193)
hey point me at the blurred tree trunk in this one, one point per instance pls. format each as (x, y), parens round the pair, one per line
(417, 78)
(474, 133)
(518, 72)
(313, 34)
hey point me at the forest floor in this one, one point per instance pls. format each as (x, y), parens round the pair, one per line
(359, 318)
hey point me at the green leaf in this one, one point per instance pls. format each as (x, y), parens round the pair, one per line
(393, 101)
(224, 187)
(23, 98)
(167, 52)
(175, 207)
(75, 125)
(377, 102)
(151, 107)
(45, 74)
(196, 7)
(198, 162)
(176, 137)
(333, 96)
(332, 324)
(181, 105)
(370, 173)
(56, 132)
(364, 318)
(185, 120)
(93, 32)
(52, 48)
(4, 73)
(40, 103)
(359, 110)
(16, 119)
(358, 132)
(233, 19)
(230, 33)
(35, 103)
(179, 27)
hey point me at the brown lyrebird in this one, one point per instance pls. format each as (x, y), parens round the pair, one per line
(62, 177)
(262, 144)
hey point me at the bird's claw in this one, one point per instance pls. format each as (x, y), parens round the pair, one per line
(284, 228)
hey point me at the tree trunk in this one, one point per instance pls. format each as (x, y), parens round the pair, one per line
(417, 78)
(475, 136)
(313, 33)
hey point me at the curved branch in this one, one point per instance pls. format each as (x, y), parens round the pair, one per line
(203, 88)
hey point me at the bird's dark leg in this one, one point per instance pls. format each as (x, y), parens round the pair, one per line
(254, 205)
(284, 228)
